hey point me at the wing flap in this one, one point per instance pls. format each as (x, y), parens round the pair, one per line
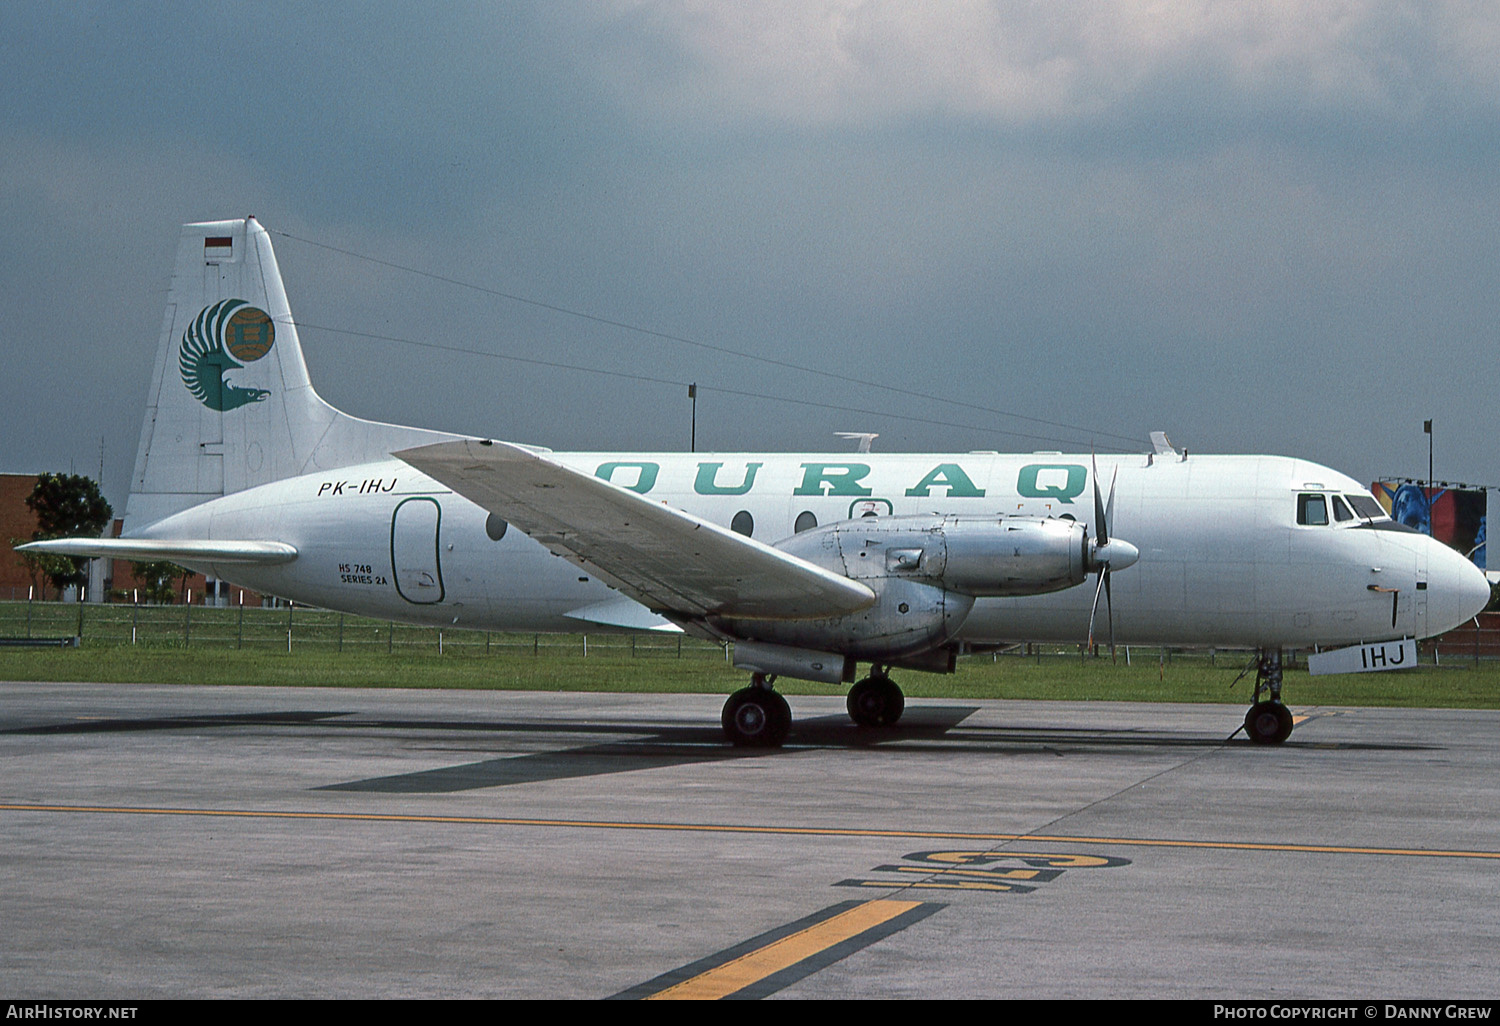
(621, 611)
(667, 559)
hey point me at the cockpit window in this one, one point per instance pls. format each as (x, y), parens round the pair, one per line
(1341, 510)
(1312, 510)
(1366, 507)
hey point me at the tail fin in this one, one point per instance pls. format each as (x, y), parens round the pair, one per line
(231, 405)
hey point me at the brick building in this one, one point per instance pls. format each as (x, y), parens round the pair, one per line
(109, 581)
(16, 521)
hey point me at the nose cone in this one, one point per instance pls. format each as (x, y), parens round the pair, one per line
(1456, 590)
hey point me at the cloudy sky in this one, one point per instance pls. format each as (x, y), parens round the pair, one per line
(1266, 227)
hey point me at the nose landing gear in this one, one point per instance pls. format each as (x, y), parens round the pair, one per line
(1268, 722)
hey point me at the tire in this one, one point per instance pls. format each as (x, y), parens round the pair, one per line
(756, 718)
(1268, 723)
(875, 702)
(895, 703)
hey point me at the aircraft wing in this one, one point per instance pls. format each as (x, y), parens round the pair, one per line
(147, 549)
(668, 560)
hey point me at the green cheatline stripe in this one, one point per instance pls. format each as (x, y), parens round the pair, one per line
(729, 828)
(780, 957)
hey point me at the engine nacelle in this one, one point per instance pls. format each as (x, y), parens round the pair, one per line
(926, 571)
(978, 556)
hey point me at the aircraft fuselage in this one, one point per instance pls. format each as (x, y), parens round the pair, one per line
(1223, 559)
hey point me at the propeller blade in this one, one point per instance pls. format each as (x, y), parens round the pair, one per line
(1109, 508)
(1109, 608)
(1101, 522)
(1093, 611)
(1127, 554)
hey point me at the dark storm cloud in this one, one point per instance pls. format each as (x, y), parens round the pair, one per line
(1260, 226)
(354, 109)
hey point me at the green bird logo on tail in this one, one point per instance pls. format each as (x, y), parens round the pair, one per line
(228, 329)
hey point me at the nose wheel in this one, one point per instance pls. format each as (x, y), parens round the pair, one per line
(876, 701)
(756, 716)
(1269, 721)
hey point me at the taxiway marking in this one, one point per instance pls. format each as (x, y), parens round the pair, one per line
(732, 828)
(781, 957)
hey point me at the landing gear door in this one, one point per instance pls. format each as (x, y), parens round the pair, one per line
(416, 563)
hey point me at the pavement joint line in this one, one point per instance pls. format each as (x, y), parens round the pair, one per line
(731, 828)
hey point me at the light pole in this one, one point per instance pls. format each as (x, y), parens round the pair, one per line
(1427, 492)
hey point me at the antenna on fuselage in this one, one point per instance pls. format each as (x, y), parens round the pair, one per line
(1161, 445)
(863, 437)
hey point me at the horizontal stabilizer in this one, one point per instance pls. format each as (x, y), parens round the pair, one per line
(143, 550)
(668, 560)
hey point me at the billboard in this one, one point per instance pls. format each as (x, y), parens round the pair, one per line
(1454, 516)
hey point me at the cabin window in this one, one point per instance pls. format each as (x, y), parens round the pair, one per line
(742, 523)
(1312, 510)
(806, 521)
(1341, 510)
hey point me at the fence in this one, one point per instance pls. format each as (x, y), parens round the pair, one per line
(1478, 639)
(290, 628)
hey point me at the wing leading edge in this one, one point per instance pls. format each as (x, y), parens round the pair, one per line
(669, 560)
(264, 553)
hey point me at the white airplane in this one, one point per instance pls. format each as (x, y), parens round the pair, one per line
(809, 564)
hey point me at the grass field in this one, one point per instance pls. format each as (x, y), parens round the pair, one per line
(175, 645)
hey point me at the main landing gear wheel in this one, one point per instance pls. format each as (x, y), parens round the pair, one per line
(757, 717)
(876, 701)
(1268, 723)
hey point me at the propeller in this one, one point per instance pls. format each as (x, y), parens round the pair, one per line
(1106, 554)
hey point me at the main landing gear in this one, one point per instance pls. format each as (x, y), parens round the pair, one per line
(876, 701)
(758, 717)
(1268, 722)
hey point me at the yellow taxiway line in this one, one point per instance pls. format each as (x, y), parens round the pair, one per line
(754, 966)
(731, 828)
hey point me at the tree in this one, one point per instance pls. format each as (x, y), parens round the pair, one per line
(36, 564)
(158, 580)
(66, 506)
